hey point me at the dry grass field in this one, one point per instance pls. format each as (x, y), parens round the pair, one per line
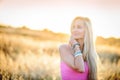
(30, 55)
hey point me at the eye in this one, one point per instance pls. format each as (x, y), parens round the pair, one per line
(79, 26)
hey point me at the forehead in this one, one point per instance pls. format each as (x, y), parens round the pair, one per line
(79, 22)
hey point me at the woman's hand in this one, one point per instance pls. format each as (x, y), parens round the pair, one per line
(72, 42)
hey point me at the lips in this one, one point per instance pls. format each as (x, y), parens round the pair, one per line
(75, 33)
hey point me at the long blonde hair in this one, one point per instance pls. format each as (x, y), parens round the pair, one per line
(89, 51)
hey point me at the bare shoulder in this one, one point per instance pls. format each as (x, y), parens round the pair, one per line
(63, 48)
(65, 53)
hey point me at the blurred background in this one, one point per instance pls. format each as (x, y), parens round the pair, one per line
(31, 32)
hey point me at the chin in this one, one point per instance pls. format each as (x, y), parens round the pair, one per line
(77, 37)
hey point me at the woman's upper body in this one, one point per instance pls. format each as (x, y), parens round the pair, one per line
(78, 57)
(68, 70)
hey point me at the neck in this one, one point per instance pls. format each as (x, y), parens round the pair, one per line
(81, 42)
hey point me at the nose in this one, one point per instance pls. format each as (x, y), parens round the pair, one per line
(75, 29)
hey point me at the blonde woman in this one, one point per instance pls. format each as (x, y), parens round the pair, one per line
(78, 57)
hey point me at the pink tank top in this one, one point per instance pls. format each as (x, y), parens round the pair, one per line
(67, 73)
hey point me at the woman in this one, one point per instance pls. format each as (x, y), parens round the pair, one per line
(79, 58)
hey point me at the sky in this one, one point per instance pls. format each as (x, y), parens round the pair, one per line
(57, 15)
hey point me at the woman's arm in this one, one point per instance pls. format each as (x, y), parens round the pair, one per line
(66, 56)
(76, 63)
(79, 62)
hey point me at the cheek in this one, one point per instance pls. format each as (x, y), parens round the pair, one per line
(78, 33)
(82, 32)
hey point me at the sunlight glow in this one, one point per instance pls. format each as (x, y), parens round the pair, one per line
(59, 19)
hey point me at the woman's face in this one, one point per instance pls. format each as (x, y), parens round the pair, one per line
(78, 29)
